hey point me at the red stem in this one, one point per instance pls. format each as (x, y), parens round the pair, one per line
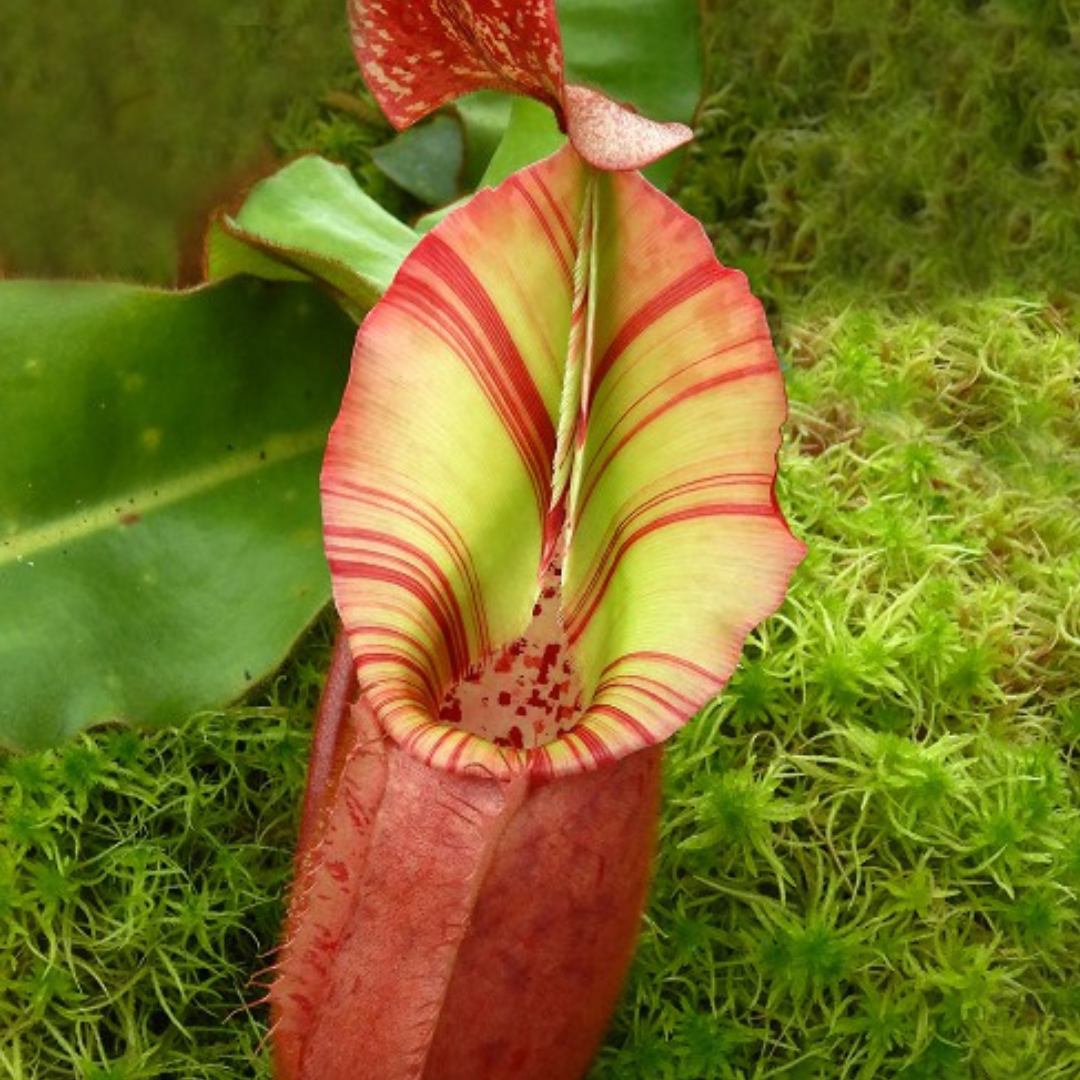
(339, 692)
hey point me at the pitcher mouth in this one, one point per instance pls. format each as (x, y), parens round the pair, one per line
(525, 710)
(513, 711)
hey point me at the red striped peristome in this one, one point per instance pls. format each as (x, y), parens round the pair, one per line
(549, 497)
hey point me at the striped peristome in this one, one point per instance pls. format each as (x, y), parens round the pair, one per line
(464, 507)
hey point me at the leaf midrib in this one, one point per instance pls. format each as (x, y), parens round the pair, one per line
(105, 515)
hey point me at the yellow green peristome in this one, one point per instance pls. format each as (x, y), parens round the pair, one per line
(440, 512)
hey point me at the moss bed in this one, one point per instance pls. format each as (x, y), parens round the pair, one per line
(870, 853)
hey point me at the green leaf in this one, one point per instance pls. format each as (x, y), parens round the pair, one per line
(532, 134)
(159, 522)
(311, 221)
(564, 350)
(485, 116)
(450, 160)
(426, 160)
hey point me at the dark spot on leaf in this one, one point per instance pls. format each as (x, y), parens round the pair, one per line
(130, 519)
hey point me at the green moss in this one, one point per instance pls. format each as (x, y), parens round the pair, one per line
(909, 149)
(892, 754)
(141, 894)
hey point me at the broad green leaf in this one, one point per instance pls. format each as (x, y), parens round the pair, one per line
(159, 520)
(565, 347)
(481, 122)
(426, 160)
(310, 220)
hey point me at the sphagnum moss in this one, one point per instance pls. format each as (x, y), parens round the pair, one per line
(909, 148)
(914, 916)
(142, 879)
